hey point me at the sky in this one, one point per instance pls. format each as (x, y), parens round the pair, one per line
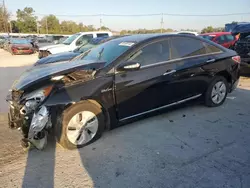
(90, 7)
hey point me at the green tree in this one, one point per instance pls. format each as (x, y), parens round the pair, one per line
(91, 28)
(103, 28)
(4, 18)
(81, 27)
(26, 21)
(208, 29)
(51, 24)
(14, 27)
(69, 27)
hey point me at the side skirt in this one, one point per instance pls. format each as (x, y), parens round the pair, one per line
(162, 107)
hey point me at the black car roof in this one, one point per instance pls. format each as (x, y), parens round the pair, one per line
(137, 38)
(140, 37)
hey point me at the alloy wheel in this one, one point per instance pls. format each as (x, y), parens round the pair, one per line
(218, 92)
(82, 128)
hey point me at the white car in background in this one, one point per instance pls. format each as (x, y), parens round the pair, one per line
(72, 43)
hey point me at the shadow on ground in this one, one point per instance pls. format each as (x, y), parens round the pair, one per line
(190, 146)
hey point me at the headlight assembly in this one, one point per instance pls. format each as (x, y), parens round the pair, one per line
(39, 95)
(34, 98)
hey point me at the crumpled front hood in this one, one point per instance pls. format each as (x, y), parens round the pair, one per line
(64, 56)
(52, 46)
(43, 72)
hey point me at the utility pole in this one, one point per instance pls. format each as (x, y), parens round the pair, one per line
(10, 28)
(162, 22)
(100, 22)
(4, 18)
(37, 27)
(47, 25)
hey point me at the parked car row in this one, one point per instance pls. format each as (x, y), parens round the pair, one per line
(18, 46)
(28, 44)
(66, 56)
(71, 43)
(94, 92)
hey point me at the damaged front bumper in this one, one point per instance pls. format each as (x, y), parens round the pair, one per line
(33, 122)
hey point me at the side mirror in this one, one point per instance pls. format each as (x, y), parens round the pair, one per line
(128, 66)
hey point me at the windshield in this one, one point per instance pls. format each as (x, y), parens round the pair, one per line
(19, 41)
(208, 37)
(108, 51)
(69, 40)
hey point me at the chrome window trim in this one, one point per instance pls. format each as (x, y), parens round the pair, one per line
(162, 107)
(179, 59)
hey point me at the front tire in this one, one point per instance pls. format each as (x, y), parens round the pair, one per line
(81, 124)
(217, 92)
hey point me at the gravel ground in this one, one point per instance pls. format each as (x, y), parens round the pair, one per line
(188, 146)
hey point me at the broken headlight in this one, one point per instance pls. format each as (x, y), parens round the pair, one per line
(34, 98)
(39, 95)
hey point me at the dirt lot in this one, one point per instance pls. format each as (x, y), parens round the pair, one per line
(189, 146)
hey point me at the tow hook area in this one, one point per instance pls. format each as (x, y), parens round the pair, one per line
(26, 145)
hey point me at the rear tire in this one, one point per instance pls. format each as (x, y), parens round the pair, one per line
(67, 130)
(217, 92)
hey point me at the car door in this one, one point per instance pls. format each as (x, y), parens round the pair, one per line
(138, 92)
(189, 55)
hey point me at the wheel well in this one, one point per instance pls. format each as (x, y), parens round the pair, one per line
(105, 111)
(226, 75)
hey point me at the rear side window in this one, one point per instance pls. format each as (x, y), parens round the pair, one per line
(211, 48)
(182, 47)
(102, 35)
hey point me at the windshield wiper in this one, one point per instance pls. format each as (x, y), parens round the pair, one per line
(100, 54)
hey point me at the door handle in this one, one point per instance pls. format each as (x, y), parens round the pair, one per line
(210, 61)
(169, 72)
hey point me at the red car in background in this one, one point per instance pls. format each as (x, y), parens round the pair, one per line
(225, 39)
(20, 46)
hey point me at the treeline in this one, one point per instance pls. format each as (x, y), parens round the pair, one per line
(210, 29)
(27, 22)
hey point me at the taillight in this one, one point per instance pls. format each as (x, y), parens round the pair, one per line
(14, 48)
(236, 59)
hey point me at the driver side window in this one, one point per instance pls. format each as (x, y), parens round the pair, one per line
(84, 39)
(152, 53)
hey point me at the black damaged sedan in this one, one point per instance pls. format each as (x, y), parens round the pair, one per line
(116, 82)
